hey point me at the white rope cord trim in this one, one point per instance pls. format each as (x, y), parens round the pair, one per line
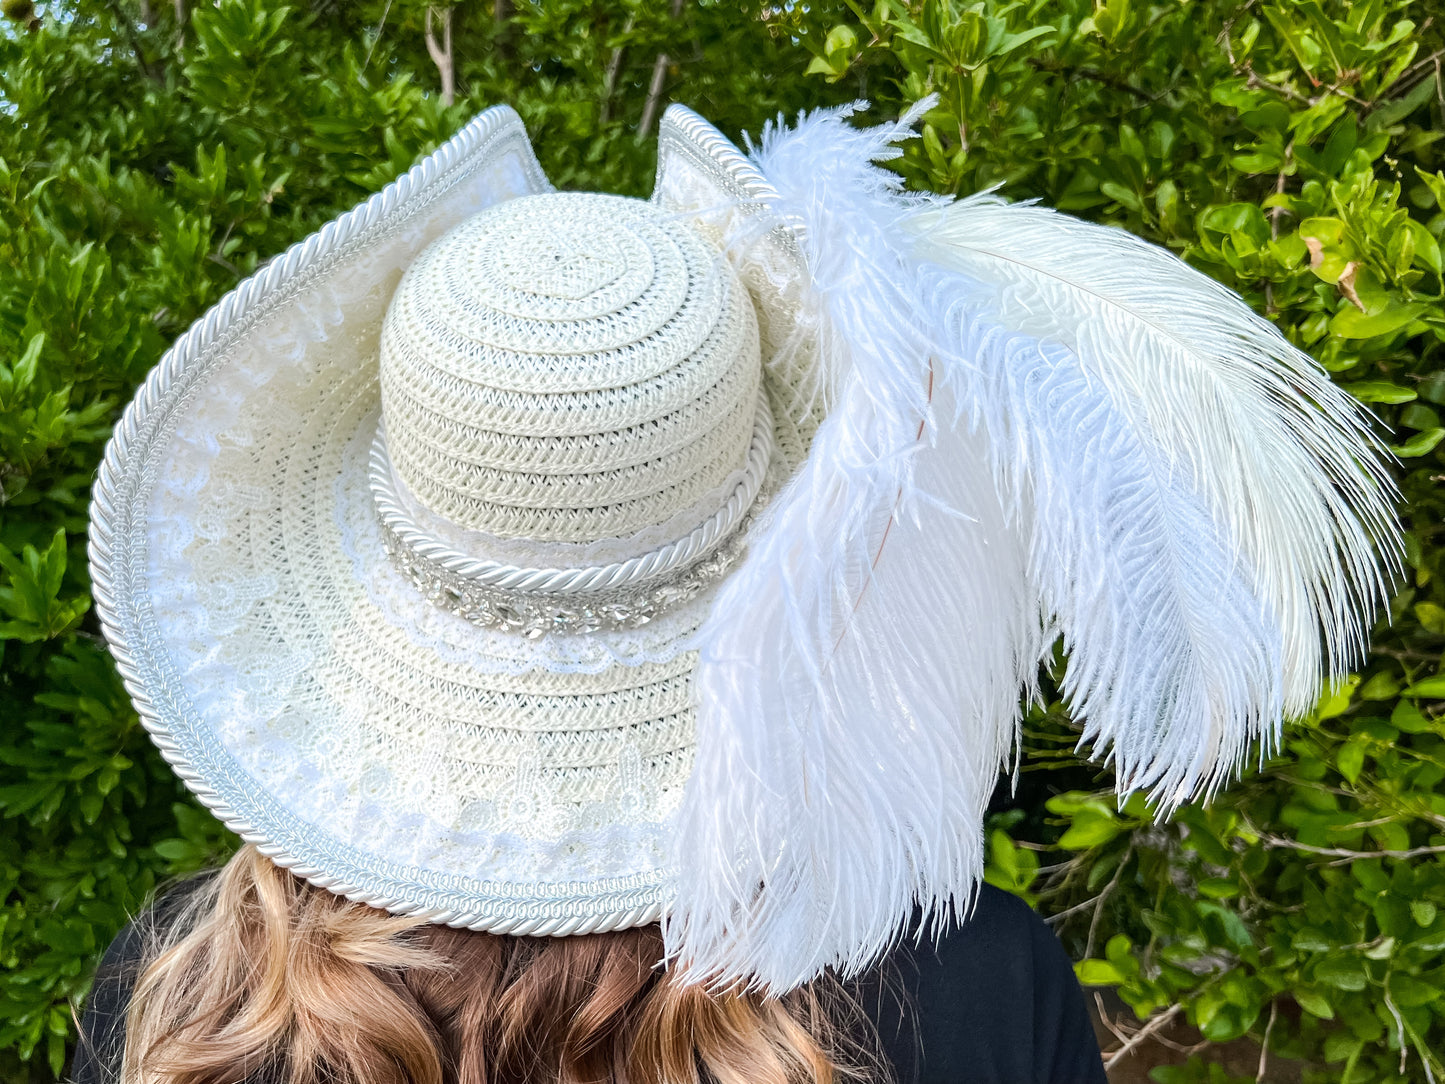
(119, 543)
(425, 549)
(117, 547)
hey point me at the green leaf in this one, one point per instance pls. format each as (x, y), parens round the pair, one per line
(182, 852)
(1218, 888)
(841, 39)
(1010, 42)
(1431, 617)
(1098, 973)
(24, 369)
(1432, 388)
(1408, 718)
(1118, 192)
(1379, 391)
(1435, 182)
(1350, 760)
(823, 66)
(1314, 1003)
(1342, 1046)
(1432, 688)
(1395, 111)
(1351, 323)
(1235, 930)
(1419, 416)
(1258, 162)
(1421, 444)
(1342, 971)
(1427, 248)
(1381, 686)
(1336, 699)
(1090, 829)
(1410, 993)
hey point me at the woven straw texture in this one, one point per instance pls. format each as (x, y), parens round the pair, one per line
(567, 368)
(562, 377)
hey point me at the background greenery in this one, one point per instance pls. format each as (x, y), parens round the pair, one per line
(152, 154)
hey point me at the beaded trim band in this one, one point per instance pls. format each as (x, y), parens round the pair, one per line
(535, 601)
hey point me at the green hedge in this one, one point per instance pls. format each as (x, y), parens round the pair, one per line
(1287, 148)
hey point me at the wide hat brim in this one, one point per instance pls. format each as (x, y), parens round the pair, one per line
(309, 694)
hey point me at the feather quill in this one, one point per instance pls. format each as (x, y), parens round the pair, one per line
(1039, 428)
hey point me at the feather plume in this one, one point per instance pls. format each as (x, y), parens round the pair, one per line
(1040, 427)
(1284, 458)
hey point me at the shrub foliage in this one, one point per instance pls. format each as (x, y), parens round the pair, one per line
(153, 155)
(1289, 149)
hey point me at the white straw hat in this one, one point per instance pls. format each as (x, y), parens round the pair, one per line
(482, 557)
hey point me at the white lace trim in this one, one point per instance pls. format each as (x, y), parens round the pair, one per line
(384, 721)
(296, 701)
(488, 650)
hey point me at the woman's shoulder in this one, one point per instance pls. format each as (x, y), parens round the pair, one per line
(102, 1026)
(989, 996)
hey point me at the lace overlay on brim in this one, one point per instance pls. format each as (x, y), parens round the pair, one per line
(304, 689)
(702, 178)
(372, 714)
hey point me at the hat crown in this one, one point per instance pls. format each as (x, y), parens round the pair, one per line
(568, 367)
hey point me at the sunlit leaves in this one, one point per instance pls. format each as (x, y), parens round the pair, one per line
(1290, 149)
(146, 169)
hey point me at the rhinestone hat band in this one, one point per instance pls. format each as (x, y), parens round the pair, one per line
(596, 598)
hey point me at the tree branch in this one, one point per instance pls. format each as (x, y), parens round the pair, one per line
(441, 54)
(1264, 1043)
(654, 88)
(1157, 1021)
(614, 69)
(1344, 854)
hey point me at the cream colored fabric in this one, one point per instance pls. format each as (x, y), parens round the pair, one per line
(568, 367)
(377, 743)
(394, 724)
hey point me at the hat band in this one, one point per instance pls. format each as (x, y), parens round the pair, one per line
(591, 598)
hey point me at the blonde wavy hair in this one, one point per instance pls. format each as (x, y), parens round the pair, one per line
(263, 976)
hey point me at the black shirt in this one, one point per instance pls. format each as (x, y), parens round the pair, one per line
(994, 1001)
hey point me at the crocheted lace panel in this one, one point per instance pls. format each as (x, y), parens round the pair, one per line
(395, 751)
(376, 716)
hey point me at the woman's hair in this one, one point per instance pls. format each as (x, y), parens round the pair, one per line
(263, 977)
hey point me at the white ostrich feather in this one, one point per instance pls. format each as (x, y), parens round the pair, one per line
(1040, 427)
(1283, 457)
